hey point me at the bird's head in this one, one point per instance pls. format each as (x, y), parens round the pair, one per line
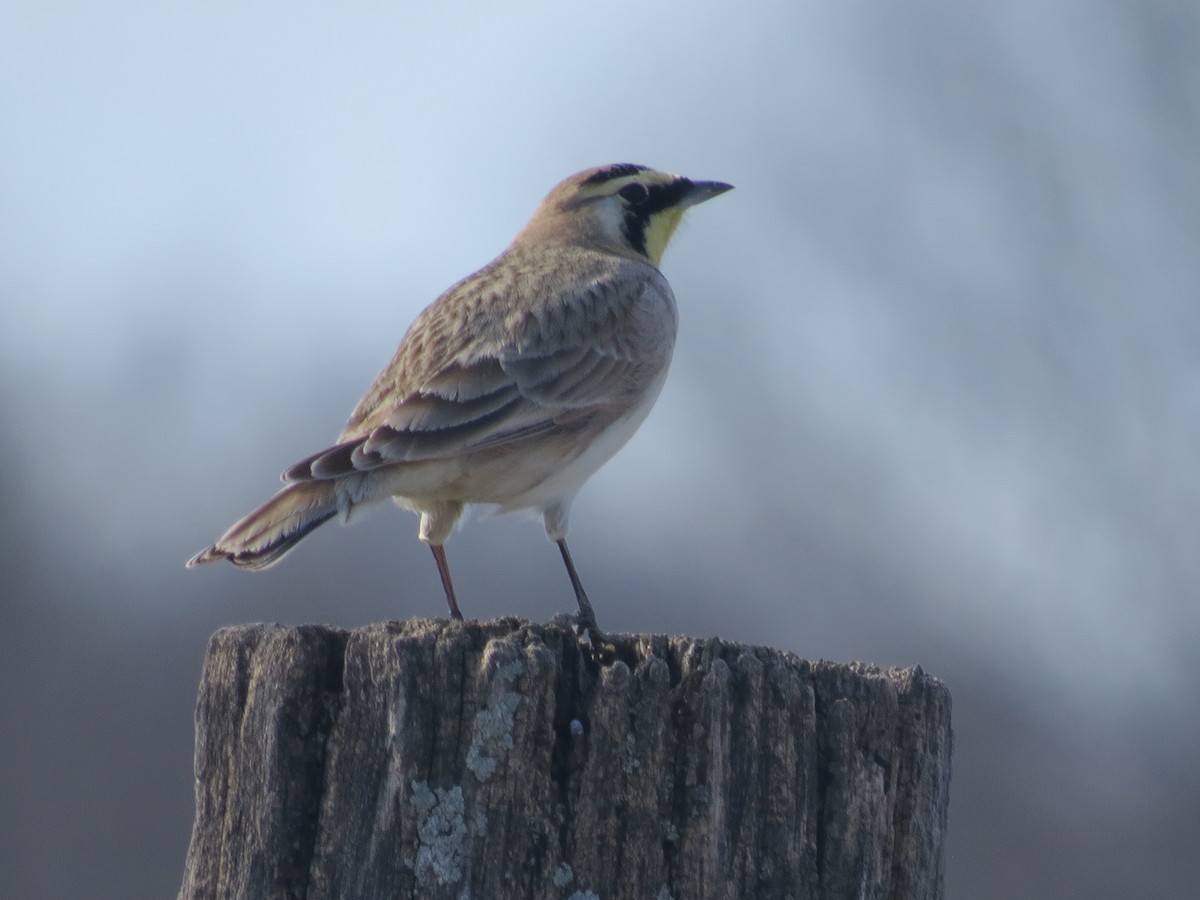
(623, 208)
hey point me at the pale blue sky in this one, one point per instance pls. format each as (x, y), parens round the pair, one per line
(936, 396)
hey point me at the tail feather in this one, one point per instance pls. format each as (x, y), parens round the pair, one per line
(261, 538)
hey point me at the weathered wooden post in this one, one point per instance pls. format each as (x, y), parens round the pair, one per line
(500, 759)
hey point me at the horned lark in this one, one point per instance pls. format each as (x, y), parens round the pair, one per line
(514, 386)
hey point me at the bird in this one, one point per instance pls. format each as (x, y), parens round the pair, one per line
(513, 387)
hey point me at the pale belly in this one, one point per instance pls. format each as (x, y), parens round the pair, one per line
(537, 474)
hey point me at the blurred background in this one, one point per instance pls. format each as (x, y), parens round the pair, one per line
(936, 397)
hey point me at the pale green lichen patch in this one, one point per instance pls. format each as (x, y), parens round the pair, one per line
(563, 875)
(492, 736)
(441, 833)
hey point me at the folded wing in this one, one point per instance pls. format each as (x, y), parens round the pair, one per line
(538, 375)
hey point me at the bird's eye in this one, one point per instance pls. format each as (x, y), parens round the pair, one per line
(634, 193)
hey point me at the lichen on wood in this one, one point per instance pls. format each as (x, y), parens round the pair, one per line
(503, 759)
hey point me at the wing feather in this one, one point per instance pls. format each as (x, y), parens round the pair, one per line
(579, 354)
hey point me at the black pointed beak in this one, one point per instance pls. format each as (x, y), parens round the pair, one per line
(699, 191)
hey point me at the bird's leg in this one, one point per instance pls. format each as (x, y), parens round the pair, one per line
(439, 554)
(587, 616)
